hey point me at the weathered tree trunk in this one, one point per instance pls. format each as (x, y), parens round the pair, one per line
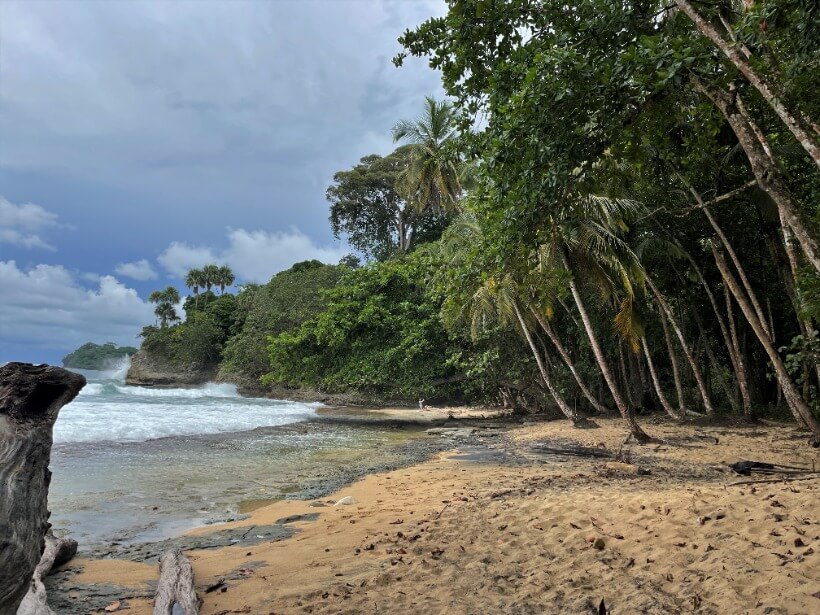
(728, 390)
(765, 170)
(687, 351)
(562, 404)
(176, 585)
(556, 341)
(673, 359)
(657, 383)
(57, 552)
(627, 412)
(737, 362)
(742, 378)
(767, 91)
(30, 398)
(798, 406)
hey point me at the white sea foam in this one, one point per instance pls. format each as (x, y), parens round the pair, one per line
(212, 389)
(112, 411)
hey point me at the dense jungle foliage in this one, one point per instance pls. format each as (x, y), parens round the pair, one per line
(615, 211)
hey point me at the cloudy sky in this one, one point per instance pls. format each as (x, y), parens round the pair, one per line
(139, 139)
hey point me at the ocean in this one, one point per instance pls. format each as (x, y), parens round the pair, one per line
(136, 464)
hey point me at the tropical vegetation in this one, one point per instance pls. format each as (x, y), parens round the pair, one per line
(614, 211)
(97, 356)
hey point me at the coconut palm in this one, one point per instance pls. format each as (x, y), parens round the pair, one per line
(224, 278)
(432, 179)
(464, 232)
(165, 301)
(584, 239)
(195, 280)
(211, 276)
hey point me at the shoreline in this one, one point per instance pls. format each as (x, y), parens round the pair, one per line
(493, 522)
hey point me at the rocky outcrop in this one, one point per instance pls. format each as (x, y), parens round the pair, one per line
(147, 370)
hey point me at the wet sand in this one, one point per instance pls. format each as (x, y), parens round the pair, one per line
(496, 525)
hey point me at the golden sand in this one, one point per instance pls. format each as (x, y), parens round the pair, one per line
(546, 536)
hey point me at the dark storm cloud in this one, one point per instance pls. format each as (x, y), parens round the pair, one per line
(164, 132)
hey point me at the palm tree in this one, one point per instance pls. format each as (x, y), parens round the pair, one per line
(224, 278)
(432, 179)
(584, 241)
(195, 280)
(498, 301)
(165, 301)
(211, 276)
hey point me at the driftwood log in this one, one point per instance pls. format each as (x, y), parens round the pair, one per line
(57, 552)
(176, 585)
(30, 398)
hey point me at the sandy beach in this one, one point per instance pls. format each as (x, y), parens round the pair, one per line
(497, 525)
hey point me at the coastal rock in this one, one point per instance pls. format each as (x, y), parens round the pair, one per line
(346, 501)
(452, 432)
(148, 370)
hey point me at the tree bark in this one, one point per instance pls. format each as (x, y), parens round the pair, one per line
(657, 383)
(57, 552)
(798, 406)
(562, 404)
(673, 359)
(556, 341)
(687, 351)
(742, 378)
(626, 411)
(30, 398)
(766, 172)
(737, 362)
(806, 139)
(176, 585)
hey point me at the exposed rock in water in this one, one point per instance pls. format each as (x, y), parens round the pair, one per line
(148, 370)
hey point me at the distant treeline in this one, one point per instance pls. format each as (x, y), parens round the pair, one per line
(97, 356)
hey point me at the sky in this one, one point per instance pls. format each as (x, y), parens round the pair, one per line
(140, 139)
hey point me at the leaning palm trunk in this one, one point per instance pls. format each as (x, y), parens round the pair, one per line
(559, 400)
(626, 411)
(742, 380)
(731, 347)
(687, 351)
(556, 341)
(798, 406)
(657, 384)
(673, 360)
(766, 172)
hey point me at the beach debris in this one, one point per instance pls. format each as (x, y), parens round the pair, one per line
(346, 501)
(572, 450)
(57, 551)
(114, 606)
(602, 610)
(599, 544)
(626, 468)
(219, 584)
(176, 585)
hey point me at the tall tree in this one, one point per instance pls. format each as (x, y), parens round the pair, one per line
(368, 208)
(432, 179)
(224, 278)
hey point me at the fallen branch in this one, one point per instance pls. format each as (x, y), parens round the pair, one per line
(57, 552)
(775, 480)
(176, 585)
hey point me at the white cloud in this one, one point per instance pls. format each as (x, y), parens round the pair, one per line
(254, 256)
(47, 306)
(178, 258)
(138, 270)
(21, 225)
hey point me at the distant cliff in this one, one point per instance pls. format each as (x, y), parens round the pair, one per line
(97, 356)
